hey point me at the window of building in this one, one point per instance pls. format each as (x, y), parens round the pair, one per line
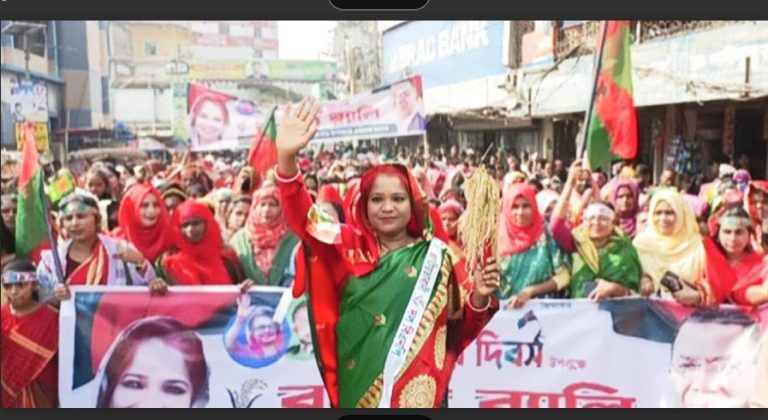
(150, 48)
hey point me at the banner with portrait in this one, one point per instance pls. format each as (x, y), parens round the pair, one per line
(622, 353)
(221, 121)
(389, 111)
(210, 347)
(193, 347)
(29, 106)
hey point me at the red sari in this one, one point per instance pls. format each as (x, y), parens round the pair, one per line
(202, 263)
(93, 271)
(28, 362)
(751, 271)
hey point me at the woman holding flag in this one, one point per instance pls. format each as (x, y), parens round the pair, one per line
(91, 258)
(366, 275)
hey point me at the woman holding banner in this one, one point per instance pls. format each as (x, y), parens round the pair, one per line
(144, 221)
(29, 343)
(202, 257)
(365, 276)
(90, 258)
(734, 232)
(672, 248)
(531, 263)
(266, 247)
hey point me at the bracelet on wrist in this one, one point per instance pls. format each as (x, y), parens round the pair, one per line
(472, 307)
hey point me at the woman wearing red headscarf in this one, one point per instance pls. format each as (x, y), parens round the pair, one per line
(531, 262)
(202, 258)
(450, 212)
(143, 221)
(734, 230)
(756, 202)
(265, 246)
(366, 275)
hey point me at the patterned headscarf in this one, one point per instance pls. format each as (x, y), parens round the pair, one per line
(266, 236)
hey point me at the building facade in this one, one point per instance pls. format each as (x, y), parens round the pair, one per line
(464, 67)
(700, 88)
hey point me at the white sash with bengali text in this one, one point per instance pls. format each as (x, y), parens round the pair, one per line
(406, 332)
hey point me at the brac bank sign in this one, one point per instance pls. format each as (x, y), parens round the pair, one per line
(432, 47)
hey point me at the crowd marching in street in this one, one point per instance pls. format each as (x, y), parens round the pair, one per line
(324, 218)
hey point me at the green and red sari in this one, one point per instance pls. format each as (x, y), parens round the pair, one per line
(266, 249)
(387, 329)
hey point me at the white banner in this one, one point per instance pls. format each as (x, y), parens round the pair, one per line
(389, 111)
(121, 347)
(29, 100)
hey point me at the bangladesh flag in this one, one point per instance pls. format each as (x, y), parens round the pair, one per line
(263, 154)
(612, 131)
(31, 220)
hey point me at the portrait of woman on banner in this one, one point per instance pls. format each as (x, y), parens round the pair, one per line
(132, 375)
(208, 120)
(254, 338)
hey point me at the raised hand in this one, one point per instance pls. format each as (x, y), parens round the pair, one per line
(574, 170)
(244, 307)
(297, 128)
(245, 286)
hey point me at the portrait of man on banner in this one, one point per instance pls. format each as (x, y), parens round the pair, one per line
(301, 347)
(714, 358)
(713, 351)
(409, 102)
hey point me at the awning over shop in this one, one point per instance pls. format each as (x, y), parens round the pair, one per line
(483, 119)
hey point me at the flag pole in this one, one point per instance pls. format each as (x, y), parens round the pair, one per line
(49, 229)
(598, 67)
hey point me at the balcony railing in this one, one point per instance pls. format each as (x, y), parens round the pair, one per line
(580, 38)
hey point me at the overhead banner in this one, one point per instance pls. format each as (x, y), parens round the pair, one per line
(389, 111)
(221, 121)
(39, 130)
(292, 70)
(122, 347)
(29, 100)
(29, 105)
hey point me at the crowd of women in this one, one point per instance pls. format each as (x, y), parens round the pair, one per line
(369, 241)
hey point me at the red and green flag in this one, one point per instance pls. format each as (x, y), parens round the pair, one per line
(612, 132)
(263, 154)
(31, 217)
